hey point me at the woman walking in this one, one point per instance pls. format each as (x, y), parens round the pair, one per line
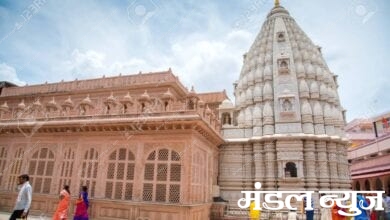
(63, 206)
(82, 205)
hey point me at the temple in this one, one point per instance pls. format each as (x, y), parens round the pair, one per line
(150, 149)
(285, 129)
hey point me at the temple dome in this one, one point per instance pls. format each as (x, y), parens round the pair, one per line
(226, 104)
(283, 58)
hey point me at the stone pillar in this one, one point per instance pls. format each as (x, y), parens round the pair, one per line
(258, 159)
(139, 179)
(307, 118)
(322, 165)
(59, 158)
(318, 119)
(102, 163)
(343, 167)
(77, 166)
(101, 174)
(247, 166)
(328, 120)
(270, 165)
(310, 165)
(257, 121)
(334, 179)
(268, 119)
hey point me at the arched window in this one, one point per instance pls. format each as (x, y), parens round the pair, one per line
(226, 118)
(124, 108)
(83, 110)
(15, 168)
(281, 37)
(378, 184)
(162, 177)
(89, 170)
(3, 160)
(66, 168)
(357, 186)
(283, 64)
(120, 175)
(191, 105)
(290, 170)
(286, 105)
(41, 170)
(367, 185)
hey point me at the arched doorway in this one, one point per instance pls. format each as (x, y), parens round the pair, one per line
(367, 185)
(357, 186)
(378, 184)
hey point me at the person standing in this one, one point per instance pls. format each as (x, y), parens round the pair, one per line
(254, 214)
(363, 215)
(82, 205)
(335, 213)
(63, 206)
(23, 201)
(387, 206)
(292, 215)
(309, 213)
(326, 213)
(381, 213)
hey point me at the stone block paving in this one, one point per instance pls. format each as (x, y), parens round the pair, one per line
(6, 215)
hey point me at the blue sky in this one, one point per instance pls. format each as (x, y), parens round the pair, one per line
(202, 41)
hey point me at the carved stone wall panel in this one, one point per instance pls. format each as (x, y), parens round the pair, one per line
(233, 133)
(286, 128)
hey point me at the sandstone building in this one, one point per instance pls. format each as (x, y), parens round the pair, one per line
(143, 144)
(148, 148)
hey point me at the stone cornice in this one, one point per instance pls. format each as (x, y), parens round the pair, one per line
(136, 81)
(131, 124)
(288, 137)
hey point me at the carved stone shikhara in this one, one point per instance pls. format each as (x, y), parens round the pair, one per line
(289, 134)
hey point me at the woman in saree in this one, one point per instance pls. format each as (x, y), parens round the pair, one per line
(335, 213)
(63, 206)
(82, 205)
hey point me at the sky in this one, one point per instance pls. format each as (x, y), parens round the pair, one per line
(202, 41)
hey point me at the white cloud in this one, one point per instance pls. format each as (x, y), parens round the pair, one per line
(8, 73)
(126, 66)
(210, 65)
(198, 40)
(91, 63)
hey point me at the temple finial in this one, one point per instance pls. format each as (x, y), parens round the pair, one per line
(277, 3)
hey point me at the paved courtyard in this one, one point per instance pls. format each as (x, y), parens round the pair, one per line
(5, 216)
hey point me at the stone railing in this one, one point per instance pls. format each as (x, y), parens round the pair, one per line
(104, 82)
(377, 146)
(31, 113)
